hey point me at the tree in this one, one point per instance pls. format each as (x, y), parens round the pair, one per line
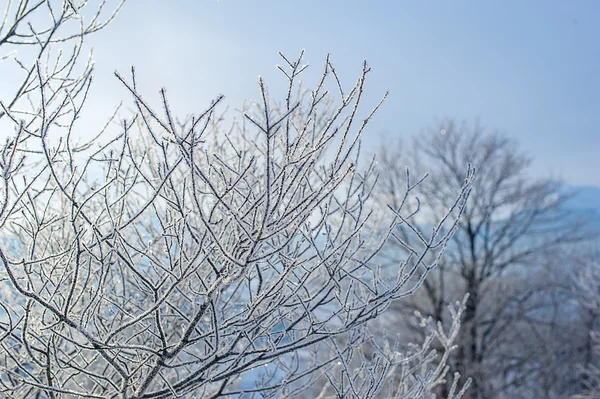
(180, 258)
(586, 290)
(509, 225)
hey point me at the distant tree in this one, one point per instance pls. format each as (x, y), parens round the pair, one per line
(510, 223)
(587, 291)
(185, 259)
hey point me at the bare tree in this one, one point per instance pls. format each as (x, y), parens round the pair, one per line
(511, 223)
(181, 258)
(586, 289)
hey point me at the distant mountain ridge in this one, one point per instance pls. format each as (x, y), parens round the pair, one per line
(586, 197)
(585, 203)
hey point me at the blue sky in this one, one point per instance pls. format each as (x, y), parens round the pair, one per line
(528, 68)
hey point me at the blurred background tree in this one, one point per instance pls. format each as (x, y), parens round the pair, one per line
(503, 254)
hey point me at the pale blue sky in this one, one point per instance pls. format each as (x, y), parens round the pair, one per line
(529, 68)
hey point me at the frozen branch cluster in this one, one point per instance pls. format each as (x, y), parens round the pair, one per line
(587, 290)
(183, 259)
(402, 371)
